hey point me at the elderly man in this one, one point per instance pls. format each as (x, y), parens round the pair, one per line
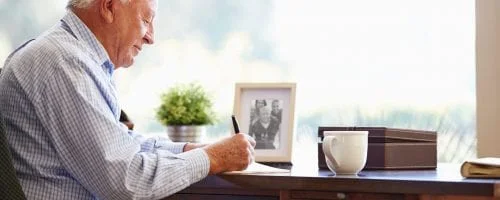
(58, 101)
(265, 129)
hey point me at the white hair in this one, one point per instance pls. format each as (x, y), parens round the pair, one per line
(82, 3)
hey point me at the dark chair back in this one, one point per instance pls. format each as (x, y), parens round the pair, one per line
(9, 184)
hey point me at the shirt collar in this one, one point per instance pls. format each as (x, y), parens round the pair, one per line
(83, 33)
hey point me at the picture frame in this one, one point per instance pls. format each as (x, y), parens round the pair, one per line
(272, 129)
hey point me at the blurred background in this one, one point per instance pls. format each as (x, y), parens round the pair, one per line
(394, 63)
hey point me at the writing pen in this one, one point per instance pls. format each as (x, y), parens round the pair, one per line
(236, 126)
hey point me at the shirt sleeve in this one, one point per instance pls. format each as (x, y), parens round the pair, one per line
(159, 142)
(102, 156)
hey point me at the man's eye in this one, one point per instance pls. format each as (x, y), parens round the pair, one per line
(145, 21)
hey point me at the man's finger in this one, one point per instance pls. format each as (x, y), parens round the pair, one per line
(251, 140)
(252, 151)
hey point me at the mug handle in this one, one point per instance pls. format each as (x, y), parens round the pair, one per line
(327, 149)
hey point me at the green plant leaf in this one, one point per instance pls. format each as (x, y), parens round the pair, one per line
(186, 105)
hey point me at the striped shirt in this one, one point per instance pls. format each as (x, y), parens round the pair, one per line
(60, 108)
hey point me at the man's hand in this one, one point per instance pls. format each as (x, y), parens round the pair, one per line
(231, 154)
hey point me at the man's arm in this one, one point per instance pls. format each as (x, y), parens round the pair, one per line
(162, 143)
(251, 130)
(99, 153)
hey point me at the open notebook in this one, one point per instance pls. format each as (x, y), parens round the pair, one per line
(257, 168)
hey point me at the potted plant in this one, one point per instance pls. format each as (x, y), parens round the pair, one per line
(186, 110)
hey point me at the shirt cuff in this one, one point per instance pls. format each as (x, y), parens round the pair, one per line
(198, 164)
(174, 147)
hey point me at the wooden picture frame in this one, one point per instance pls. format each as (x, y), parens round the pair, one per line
(273, 129)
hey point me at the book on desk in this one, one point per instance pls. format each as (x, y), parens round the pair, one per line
(481, 168)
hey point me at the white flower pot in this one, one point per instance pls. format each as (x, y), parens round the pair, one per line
(186, 133)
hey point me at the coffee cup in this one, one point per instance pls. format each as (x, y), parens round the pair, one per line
(345, 151)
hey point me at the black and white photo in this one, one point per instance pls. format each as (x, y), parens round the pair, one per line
(266, 113)
(265, 121)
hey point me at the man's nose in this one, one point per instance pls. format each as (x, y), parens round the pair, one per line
(149, 38)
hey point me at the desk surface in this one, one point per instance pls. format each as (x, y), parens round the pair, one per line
(445, 180)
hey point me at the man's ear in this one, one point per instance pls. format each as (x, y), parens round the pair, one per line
(107, 11)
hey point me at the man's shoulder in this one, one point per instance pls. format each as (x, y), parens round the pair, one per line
(45, 56)
(274, 120)
(55, 45)
(255, 124)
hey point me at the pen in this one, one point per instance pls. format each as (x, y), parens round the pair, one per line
(235, 125)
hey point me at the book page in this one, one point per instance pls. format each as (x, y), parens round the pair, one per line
(489, 161)
(257, 168)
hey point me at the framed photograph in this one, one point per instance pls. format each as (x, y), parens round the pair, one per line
(266, 112)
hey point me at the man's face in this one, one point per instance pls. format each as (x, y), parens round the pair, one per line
(134, 28)
(265, 115)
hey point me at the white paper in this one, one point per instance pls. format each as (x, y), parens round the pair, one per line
(257, 168)
(490, 161)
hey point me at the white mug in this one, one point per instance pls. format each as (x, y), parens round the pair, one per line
(345, 151)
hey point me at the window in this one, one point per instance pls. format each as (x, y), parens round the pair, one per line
(403, 64)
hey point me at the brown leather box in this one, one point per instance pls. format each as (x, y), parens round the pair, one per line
(390, 148)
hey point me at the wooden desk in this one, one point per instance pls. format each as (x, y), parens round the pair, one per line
(310, 183)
